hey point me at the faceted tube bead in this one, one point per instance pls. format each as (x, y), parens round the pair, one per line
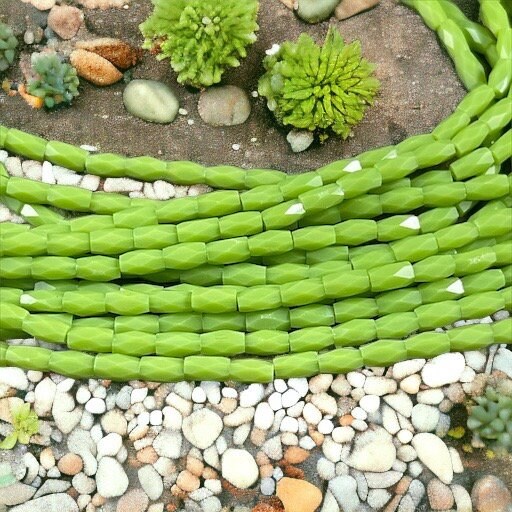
(452, 125)
(177, 344)
(474, 261)
(70, 363)
(134, 217)
(29, 358)
(501, 330)
(402, 200)
(126, 302)
(493, 16)
(436, 177)
(48, 301)
(312, 315)
(48, 327)
(258, 177)
(397, 227)
(500, 77)
(304, 364)
(90, 223)
(108, 203)
(358, 183)
(27, 191)
(259, 298)
(161, 369)
(302, 292)
(267, 342)
(396, 325)
(415, 248)
(116, 367)
(277, 319)
(12, 317)
(251, 370)
(355, 232)
(328, 267)
(311, 339)
(246, 274)
(201, 230)
(392, 169)
(444, 195)
(370, 256)
(184, 172)
(431, 13)
(486, 187)
(445, 289)
(456, 236)
(270, 242)
(363, 207)
(346, 284)
(354, 332)
(141, 262)
(261, 198)
(90, 339)
(324, 197)
(434, 154)
(427, 345)
(221, 202)
(66, 155)
(206, 368)
(97, 268)
(15, 267)
(25, 144)
(480, 305)
(154, 237)
(396, 301)
(342, 360)
(498, 116)
(383, 352)
(225, 176)
(134, 343)
(502, 148)
(181, 322)
(334, 253)
(68, 244)
(282, 215)
(394, 275)
(470, 138)
(170, 301)
(222, 343)
(53, 267)
(232, 321)
(240, 224)
(313, 238)
(25, 243)
(438, 314)
(177, 210)
(219, 299)
(184, 256)
(232, 250)
(472, 164)
(434, 268)
(145, 168)
(106, 165)
(292, 186)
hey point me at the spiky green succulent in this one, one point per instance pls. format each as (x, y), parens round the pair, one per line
(25, 423)
(319, 88)
(56, 82)
(491, 419)
(201, 37)
(8, 44)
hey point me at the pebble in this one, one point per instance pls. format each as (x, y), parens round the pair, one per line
(300, 140)
(320, 383)
(263, 416)
(377, 498)
(239, 416)
(475, 359)
(430, 396)
(109, 445)
(225, 105)
(373, 451)
(424, 417)
(134, 500)
(83, 484)
(202, 428)
(300, 384)
(151, 482)
(60, 501)
(356, 379)
(344, 490)
(16, 492)
(14, 378)
(298, 495)
(325, 426)
(400, 402)
(370, 403)
(503, 361)
(325, 403)
(343, 434)
(382, 480)
(490, 494)
(70, 464)
(439, 495)
(114, 421)
(341, 386)
(325, 468)
(168, 444)
(411, 384)
(314, 11)
(406, 452)
(390, 420)
(119, 53)
(111, 480)
(443, 369)
(311, 414)
(348, 8)
(434, 454)
(275, 401)
(96, 406)
(290, 398)
(289, 425)
(267, 486)
(94, 69)
(405, 368)
(65, 20)
(64, 412)
(198, 395)
(151, 101)
(462, 498)
(379, 386)
(239, 468)
(44, 395)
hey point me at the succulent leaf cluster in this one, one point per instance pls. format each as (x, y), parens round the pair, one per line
(25, 423)
(201, 37)
(319, 88)
(57, 81)
(491, 419)
(8, 44)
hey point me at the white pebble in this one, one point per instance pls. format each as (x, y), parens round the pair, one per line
(236, 147)
(156, 417)
(163, 190)
(307, 443)
(228, 392)
(198, 395)
(325, 426)
(301, 385)
(252, 395)
(404, 436)
(64, 176)
(289, 425)
(280, 385)
(138, 395)
(275, 401)
(359, 413)
(290, 398)
(143, 418)
(356, 379)
(311, 414)
(90, 182)
(95, 406)
(370, 403)
(122, 185)
(343, 434)
(82, 395)
(264, 416)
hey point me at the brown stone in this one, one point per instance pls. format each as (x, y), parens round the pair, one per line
(490, 494)
(293, 472)
(209, 474)
(147, 455)
(298, 495)
(266, 470)
(295, 455)
(178, 492)
(403, 485)
(70, 464)
(440, 495)
(187, 481)
(348, 8)
(258, 436)
(119, 53)
(195, 466)
(346, 420)
(98, 500)
(135, 500)
(65, 20)
(94, 68)
(272, 504)
(316, 436)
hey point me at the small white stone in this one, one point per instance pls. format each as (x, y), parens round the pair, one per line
(90, 182)
(138, 395)
(82, 395)
(235, 147)
(311, 414)
(14, 378)
(325, 469)
(275, 401)
(295, 410)
(239, 468)
(307, 443)
(411, 384)
(325, 403)
(424, 417)
(156, 417)
(163, 190)
(96, 406)
(111, 479)
(198, 395)
(401, 402)
(300, 385)
(290, 398)
(404, 436)
(252, 395)
(405, 368)
(356, 379)
(264, 416)
(151, 482)
(228, 392)
(379, 386)
(456, 461)
(468, 375)
(122, 185)
(435, 455)
(359, 413)
(289, 425)
(172, 418)
(430, 396)
(325, 426)
(343, 434)
(406, 453)
(109, 445)
(370, 403)
(320, 383)
(443, 369)
(65, 176)
(280, 385)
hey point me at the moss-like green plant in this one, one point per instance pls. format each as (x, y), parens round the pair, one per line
(319, 88)
(8, 44)
(201, 37)
(491, 419)
(25, 423)
(57, 81)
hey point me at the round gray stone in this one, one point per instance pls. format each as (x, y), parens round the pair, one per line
(314, 11)
(225, 105)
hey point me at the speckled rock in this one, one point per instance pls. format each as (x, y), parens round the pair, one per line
(490, 494)
(225, 105)
(348, 8)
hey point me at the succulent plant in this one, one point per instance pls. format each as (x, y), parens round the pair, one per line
(25, 423)
(57, 81)
(491, 419)
(318, 88)
(201, 37)
(8, 44)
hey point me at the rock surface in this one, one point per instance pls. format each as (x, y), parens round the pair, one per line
(298, 495)
(59, 502)
(65, 20)
(202, 428)
(435, 455)
(239, 468)
(490, 494)
(93, 68)
(225, 105)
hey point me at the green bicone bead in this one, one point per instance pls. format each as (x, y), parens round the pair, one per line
(493, 16)
(311, 315)
(438, 314)
(25, 144)
(325, 217)
(177, 344)
(184, 256)
(246, 274)
(356, 231)
(270, 242)
(470, 137)
(69, 198)
(311, 339)
(503, 252)
(364, 207)
(427, 345)
(456, 236)
(442, 290)
(396, 301)
(48, 327)
(474, 261)
(70, 363)
(396, 325)
(240, 224)
(494, 224)
(90, 223)
(357, 183)
(206, 368)
(328, 267)
(141, 262)
(185, 173)
(500, 77)
(436, 177)
(116, 367)
(126, 302)
(507, 274)
(49, 301)
(472, 164)
(258, 298)
(392, 169)
(282, 215)
(302, 292)
(222, 343)
(354, 332)
(11, 295)
(251, 370)
(266, 342)
(260, 198)
(154, 237)
(109, 203)
(397, 227)
(341, 360)
(53, 267)
(232, 250)
(393, 185)
(177, 210)
(276, 319)
(292, 186)
(434, 268)
(476, 101)
(51, 229)
(444, 195)
(480, 305)
(383, 352)
(9, 228)
(170, 301)
(370, 256)
(106, 165)
(145, 168)
(504, 43)
(134, 217)
(29, 358)
(181, 322)
(411, 144)
(346, 284)
(90, 339)
(502, 148)
(97, 268)
(371, 157)
(333, 253)
(217, 299)
(471, 337)
(27, 191)
(66, 155)
(451, 126)
(161, 369)
(434, 154)
(12, 317)
(394, 275)
(134, 343)
(204, 275)
(486, 187)
(402, 200)
(220, 202)
(333, 171)
(501, 330)
(225, 176)
(431, 12)
(15, 267)
(304, 364)
(321, 198)
(201, 230)
(507, 297)
(68, 244)
(259, 177)
(23, 243)
(313, 238)
(223, 321)
(140, 323)
(498, 116)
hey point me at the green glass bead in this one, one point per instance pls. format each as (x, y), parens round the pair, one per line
(218, 299)
(304, 364)
(383, 352)
(392, 169)
(493, 16)
(177, 344)
(184, 256)
(154, 237)
(161, 369)
(394, 275)
(489, 280)
(434, 154)
(434, 268)
(223, 322)
(341, 360)
(402, 200)
(206, 368)
(240, 224)
(427, 345)
(500, 77)
(313, 238)
(507, 297)
(356, 231)
(470, 137)
(275, 319)
(222, 343)
(27, 191)
(333, 171)
(116, 367)
(251, 370)
(15, 267)
(396, 325)
(392, 185)
(245, 274)
(145, 168)
(25, 144)
(48, 301)
(53, 267)
(108, 203)
(259, 298)
(312, 315)
(270, 242)
(476, 101)
(398, 300)
(69, 198)
(472, 164)
(203, 230)
(328, 216)
(177, 210)
(456, 236)
(369, 256)
(292, 186)
(51, 229)
(3, 135)
(480, 305)
(11, 295)
(324, 197)
(90, 223)
(106, 164)
(494, 224)
(70, 363)
(436, 177)
(12, 317)
(311, 339)
(260, 198)
(502, 148)
(452, 125)
(181, 322)
(354, 332)
(91, 339)
(503, 252)
(258, 177)
(127, 303)
(346, 284)
(97, 268)
(29, 358)
(68, 244)
(66, 155)
(357, 183)
(499, 115)
(266, 342)
(370, 158)
(302, 292)
(438, 314)
(225, 177)
(471, 337)
(185, 173)
(48, 327)
(295, 257)
(328, 267)
(364, 207)
(474, 261)
(412, 143)
(204, 275)
(232, 250)
(501, 330)
(397, 227)
(487, 187)
(334, 253)
(442, 290)
(431, 13)
(141, 323)
(134, 217)
(282, 215)
(134, 343)
(221, 202)
(24, 243)
(507, 274)
(9, 228)
(444, 195)
(504, 43)
(141, 262)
